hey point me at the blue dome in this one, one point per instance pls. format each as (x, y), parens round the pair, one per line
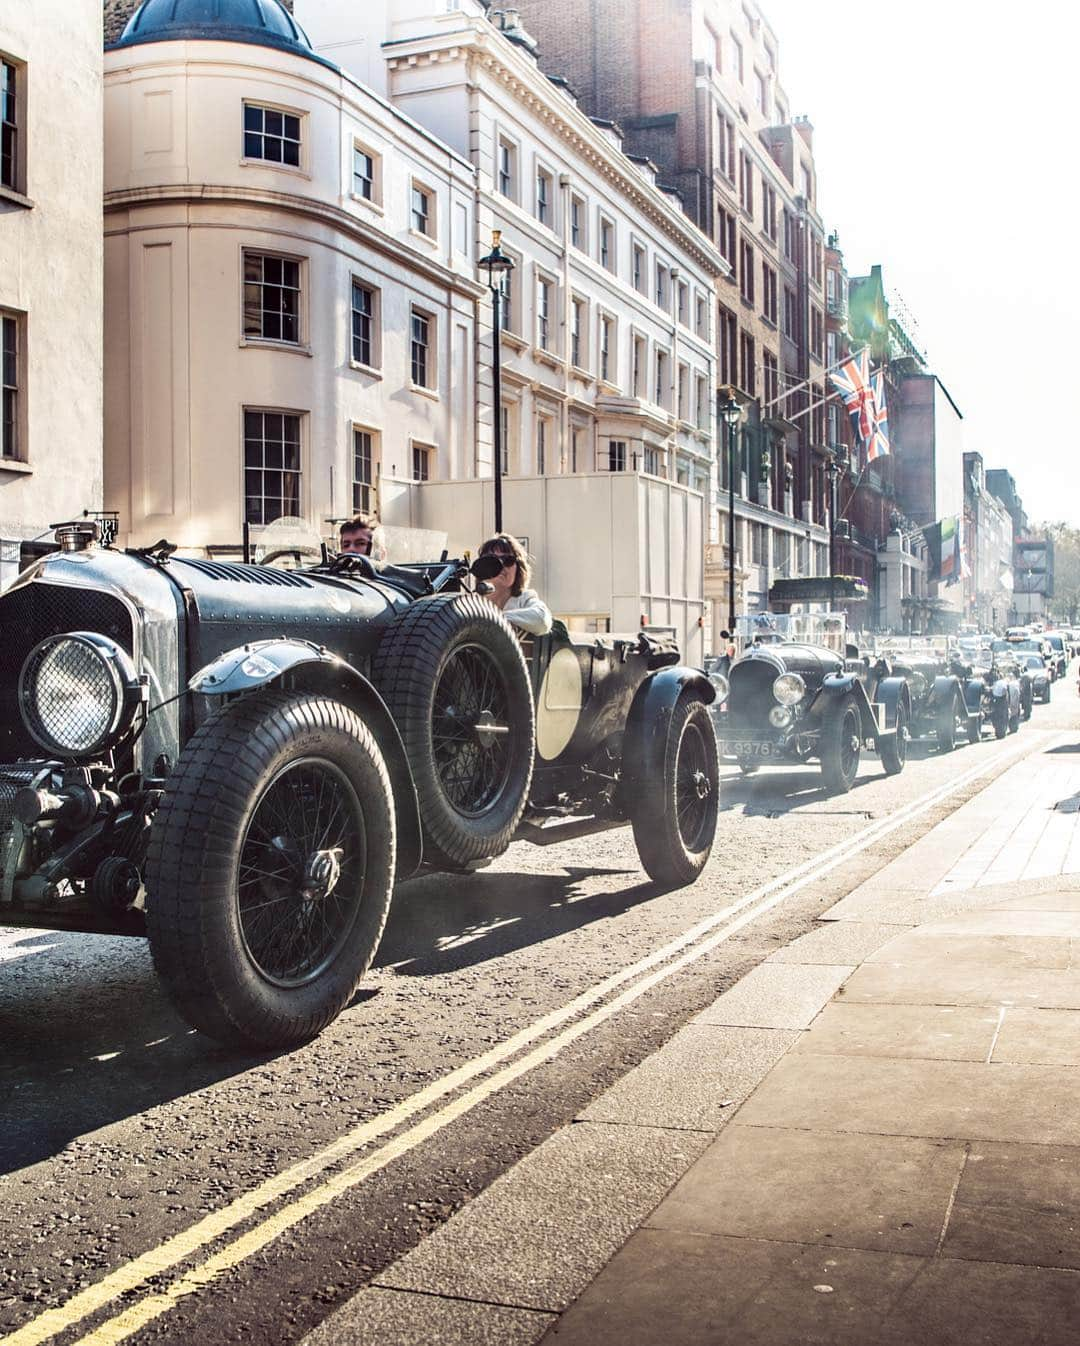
(264, 23)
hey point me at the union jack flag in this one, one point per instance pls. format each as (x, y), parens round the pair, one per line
(852, 382)
(879, 440)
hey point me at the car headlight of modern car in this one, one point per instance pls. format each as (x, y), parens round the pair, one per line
(789, 689)
(78, 693)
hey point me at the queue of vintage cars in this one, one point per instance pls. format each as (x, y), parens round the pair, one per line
(238, 761)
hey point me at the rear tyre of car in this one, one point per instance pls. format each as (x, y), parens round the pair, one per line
(453, 675)
(1046, 695)
(1027, 700)
(945, 728)
(674, 819)
(1014, 721)
(893, 750)
(974, 728)
(841, 745)
(999, 717)
(270, 869)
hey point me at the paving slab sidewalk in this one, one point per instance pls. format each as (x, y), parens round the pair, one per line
(874, 1137)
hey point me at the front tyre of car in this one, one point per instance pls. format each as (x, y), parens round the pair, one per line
(271, 868)
(841, 745)
(675, 811)
(999, 717)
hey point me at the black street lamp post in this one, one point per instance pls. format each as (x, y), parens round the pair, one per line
(832, 470)
(731, 415)
(497, 265)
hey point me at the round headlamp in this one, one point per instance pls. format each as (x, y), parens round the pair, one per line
(721, 687)
(78, 693)
(781, 716)
(789, 689)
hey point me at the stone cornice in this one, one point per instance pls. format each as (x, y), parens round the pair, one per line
(479, 46)
(334, 216)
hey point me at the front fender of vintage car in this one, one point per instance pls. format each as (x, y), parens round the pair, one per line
(257, 664)
(306, 667)
(943, 691)
(650, 715)
(892, 693)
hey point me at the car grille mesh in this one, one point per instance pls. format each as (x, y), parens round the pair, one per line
(750, 698)
(27, 616)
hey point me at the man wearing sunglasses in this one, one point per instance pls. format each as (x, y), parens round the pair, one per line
(522, 607)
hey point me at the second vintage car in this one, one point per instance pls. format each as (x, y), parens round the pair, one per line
(790, 703)
(936, 684)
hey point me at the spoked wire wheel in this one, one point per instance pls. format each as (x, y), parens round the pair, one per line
(300, 872)
(695, 788)
(270, 868)
(454, 678)
(675, 800)
(470, 730)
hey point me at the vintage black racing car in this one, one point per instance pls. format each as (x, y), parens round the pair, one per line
(239, 761)
(998, 691)
(936, 682)
(792, 703)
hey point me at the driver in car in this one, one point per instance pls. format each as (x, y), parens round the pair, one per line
(358, 535)
(522, 607)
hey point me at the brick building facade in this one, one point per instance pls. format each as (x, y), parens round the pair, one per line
(694, 86)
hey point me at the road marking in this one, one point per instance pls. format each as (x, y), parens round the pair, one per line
(701, 939)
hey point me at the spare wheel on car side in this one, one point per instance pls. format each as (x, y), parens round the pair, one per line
(453, 675)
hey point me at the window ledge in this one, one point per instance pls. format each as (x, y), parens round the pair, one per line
(606, 386)
(369, 370)
(296, 172)
(15, 198)
(14, 465)
(583, 374)
(376, 207)
(546, 357)
(429, 239)
(267, 344)
(512, 340)
(432, 393)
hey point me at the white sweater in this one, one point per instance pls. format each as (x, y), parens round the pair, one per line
(528, 612)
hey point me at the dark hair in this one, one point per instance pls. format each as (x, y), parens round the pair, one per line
(354, 525)
(503, 542)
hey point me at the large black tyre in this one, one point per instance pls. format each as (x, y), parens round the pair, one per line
(1046, 695)
(1014, 721)
(841, 745)
(945, 727)
(1027, 700)
(999, 717)
(453, 675)
(270, 869)
(974, 728)
(674, 814)
(893, 749)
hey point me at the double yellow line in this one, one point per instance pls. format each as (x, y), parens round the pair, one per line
(656, 967)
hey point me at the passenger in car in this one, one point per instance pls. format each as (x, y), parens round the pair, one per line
(522, 607)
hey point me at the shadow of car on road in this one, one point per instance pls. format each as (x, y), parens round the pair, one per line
(447, 922)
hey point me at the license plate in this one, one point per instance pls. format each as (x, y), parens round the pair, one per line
(746, 748)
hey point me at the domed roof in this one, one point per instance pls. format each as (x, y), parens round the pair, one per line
(264, 23)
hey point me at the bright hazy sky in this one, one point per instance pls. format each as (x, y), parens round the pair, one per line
(944, 136)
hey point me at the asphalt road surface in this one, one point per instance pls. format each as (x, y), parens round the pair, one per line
(154, 1186)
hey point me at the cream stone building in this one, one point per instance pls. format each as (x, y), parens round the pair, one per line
(290, 292)
(50, 268)
(607, 408)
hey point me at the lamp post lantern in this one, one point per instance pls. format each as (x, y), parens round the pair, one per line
(731, 415)
(497, 265)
